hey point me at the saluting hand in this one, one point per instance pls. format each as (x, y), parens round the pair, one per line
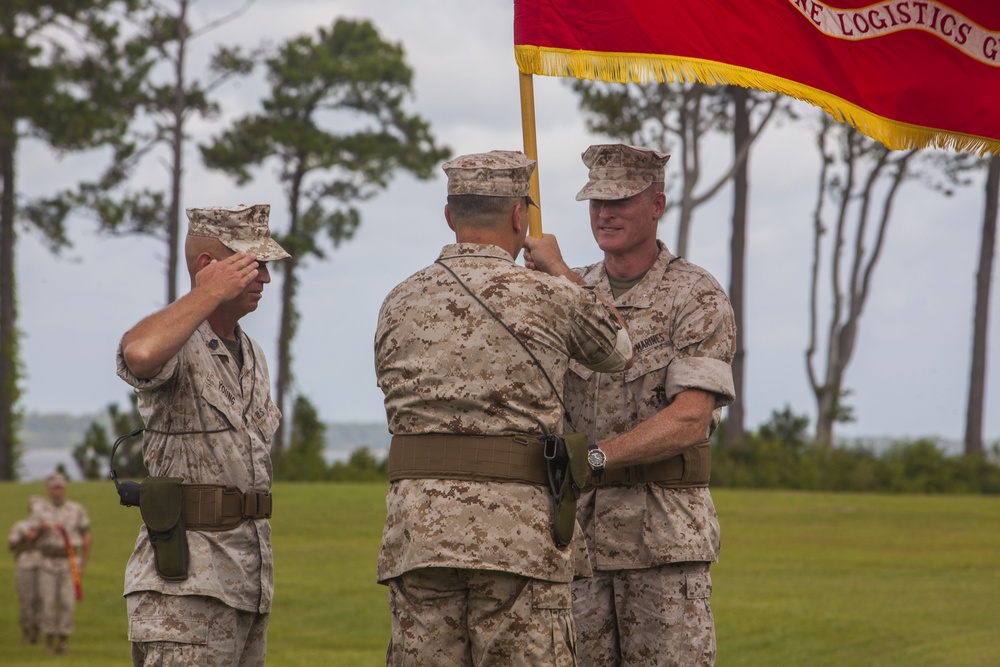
(227, 278)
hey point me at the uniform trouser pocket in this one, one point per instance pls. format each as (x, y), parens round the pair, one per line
(184, 630)
(555, 639)
(445, 616)
(665, 611)
(655, 617)
(166, 641)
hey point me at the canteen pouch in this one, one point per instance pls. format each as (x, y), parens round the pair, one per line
(566, 461)
(161, 502)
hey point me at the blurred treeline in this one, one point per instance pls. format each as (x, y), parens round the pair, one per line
(780, 454)
(301, 461)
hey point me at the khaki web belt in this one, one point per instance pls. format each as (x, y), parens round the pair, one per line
(54, 552)
(217, 507)
(689, 469)
(477, 458)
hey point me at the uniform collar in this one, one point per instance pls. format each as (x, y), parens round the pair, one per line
(463, 250)
(642, 294)
(214, 342)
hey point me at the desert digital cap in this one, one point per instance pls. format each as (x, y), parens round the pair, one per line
(494, 174)
(618, 171)
(56, 479)
(239, 228)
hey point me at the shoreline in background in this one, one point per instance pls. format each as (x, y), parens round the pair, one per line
(49, 439)
(38, 462)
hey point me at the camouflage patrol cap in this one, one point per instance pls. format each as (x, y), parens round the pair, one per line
(618, 171)
(239, 228)
(494, 174)
(56, 479)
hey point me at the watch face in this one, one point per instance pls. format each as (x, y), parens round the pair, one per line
(596, 458)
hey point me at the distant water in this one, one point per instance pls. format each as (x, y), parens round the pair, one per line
(38, 462)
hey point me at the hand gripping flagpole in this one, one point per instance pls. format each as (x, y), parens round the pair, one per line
(531, 150)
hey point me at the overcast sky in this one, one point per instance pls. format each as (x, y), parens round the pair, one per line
(909, 375)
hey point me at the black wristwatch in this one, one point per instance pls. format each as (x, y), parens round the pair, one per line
(596, 458)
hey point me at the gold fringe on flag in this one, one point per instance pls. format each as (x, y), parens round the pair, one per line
(644, 68)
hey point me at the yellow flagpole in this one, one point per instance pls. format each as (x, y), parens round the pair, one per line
(531, 150)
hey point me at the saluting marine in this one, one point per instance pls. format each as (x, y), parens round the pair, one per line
(200, 581)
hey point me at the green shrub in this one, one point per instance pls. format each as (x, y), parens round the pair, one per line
(780, 456)
(361, 466)
(303, 460)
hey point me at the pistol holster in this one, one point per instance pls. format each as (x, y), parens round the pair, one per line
(161, 502)
(566, 459)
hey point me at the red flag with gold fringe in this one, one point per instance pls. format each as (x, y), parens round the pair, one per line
(909, 73)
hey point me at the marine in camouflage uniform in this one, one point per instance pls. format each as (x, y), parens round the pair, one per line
(204, 396)
(650, 524)
(22, 540)
(473, 573)
(61, 520)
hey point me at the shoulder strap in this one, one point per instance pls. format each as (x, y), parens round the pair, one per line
(566, 415)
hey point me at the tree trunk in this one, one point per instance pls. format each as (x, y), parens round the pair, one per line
(857, 182)
(977, 377)
(289, 315)
(735, 421)
(8, 291)
(826, 408)
(8, 318)
(286, 332)
(689, 134)
(177, 146)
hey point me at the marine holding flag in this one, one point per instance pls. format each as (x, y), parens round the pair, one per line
(64, 543)
(470, 353)
(651, 527)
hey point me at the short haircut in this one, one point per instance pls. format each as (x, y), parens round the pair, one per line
(195, 245)
(481, 210)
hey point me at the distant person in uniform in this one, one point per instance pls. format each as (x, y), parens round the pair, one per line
(201, 595)
(651, 527)
(23, 543)
(462, 352)
(64, 543)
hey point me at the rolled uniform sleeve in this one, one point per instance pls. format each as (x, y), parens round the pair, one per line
(704, 340)
(598, 343)
(143, 384)
(619, 356)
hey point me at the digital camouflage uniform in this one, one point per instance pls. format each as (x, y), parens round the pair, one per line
(208, 422)
(56, 589)
(23, 542)
(683, 335)
(446, 366)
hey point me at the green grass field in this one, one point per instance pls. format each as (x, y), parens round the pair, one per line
(805, 580)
